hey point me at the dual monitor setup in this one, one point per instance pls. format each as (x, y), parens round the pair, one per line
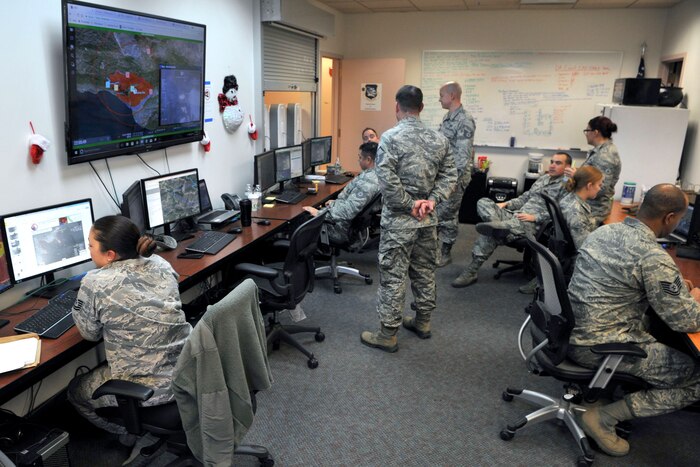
(39, 242)
(292, 162)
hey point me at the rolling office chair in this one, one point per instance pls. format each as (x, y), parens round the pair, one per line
(520, 245)
(550, 322)
(226, 353)
(360, 233)
(560, 241)
(284, 287)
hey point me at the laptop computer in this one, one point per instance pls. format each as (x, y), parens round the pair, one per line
(211, 216)
(682, 231)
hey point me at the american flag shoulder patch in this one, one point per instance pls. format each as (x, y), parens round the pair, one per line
(672, 288)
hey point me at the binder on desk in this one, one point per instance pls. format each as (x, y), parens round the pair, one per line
(694, 343)
(19, 352)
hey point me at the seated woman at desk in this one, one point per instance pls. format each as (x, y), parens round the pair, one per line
(584, 185)
(133, 303)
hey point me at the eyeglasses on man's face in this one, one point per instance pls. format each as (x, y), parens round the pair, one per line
(587, 130)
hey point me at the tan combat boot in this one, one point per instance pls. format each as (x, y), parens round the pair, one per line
(419, 325)
(469, 275)
(495, 229)
(385, 339)
(599, 423)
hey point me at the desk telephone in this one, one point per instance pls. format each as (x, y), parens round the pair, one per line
(231, 202)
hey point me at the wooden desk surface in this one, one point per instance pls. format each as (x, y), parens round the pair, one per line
(57, 352)
(287, 212)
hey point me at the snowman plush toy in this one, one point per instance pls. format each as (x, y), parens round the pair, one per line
(228, 104)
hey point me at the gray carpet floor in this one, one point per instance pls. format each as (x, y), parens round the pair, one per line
(434, 402)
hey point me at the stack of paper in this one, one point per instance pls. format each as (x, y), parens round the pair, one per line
(18, 352)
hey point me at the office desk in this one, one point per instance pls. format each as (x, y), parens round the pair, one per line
(689, 268)
(55, 353)
(286, 212)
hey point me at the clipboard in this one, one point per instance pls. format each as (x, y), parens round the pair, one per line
(19, 352)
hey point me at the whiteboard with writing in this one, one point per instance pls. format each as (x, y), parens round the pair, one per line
(542, 99)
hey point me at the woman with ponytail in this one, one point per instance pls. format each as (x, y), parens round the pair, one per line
(583, 186)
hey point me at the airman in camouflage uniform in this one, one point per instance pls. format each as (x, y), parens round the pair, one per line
(620, 272)
(604, 157)
(360, 191)
(416, 172)
(134, 305)
(513, 219)
(458, 127)
(577, 214)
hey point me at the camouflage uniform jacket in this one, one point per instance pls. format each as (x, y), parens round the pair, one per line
(621, 271)
(577, 214)
(605, 158)
(413, 162)
(459, 127)
(134, 305)
(531, 202)
(353, 199)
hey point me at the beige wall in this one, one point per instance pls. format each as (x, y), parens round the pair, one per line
(683, 36)
(407, 35)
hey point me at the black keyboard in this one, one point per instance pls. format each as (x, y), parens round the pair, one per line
(52, 320)
(211, 242)
(290, 197)
(337, 179)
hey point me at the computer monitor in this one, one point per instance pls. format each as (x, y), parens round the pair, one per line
(134, 82)
(321, 150)
(171, 198)
(42, 241)
(289, 163)
(306, 154)
(691, 227)
(264, 166)
(5, 282)
(132, 205)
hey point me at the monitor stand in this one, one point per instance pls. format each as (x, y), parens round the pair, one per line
(52, 291)
(180, 235)
(688, 251)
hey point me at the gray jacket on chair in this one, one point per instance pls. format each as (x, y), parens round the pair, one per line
(223, 360)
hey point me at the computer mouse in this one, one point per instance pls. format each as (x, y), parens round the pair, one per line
(263, 222)
(235, 230)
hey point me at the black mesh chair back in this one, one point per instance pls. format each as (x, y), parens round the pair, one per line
(367, 219)
(560, 241)
(551, 313)
(297, 277)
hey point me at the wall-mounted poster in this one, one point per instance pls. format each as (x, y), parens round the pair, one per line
(371, 97)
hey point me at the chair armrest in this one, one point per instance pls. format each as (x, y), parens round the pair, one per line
(281, 243)
(121, 388)
(629, 350)
(257, 270)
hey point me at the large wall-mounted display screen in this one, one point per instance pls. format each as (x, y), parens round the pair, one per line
(134, 82)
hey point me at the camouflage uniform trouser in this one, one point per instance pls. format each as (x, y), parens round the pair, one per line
(336, 234)
(673, 375)
(488, 210)
(80, 392)
(406, 254)
(448, 211)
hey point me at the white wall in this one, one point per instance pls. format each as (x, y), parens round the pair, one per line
(406, 35)
(33, 89)
(683, 37)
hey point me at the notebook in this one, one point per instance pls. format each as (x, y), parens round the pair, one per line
(211, 216)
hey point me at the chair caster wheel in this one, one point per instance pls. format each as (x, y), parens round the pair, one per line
(267, 462)
(368, 280)
(337, 289)
(506, 396)
(583, 462)
(320, 337)
(312, 363)
(506, 435)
